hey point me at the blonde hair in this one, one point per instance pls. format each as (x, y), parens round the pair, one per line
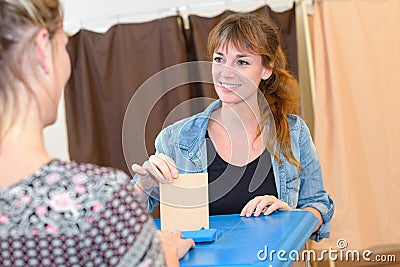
(248, 32)
(19, 22)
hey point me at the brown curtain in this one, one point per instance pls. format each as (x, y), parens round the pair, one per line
(201, 26)
(107, 69)
(357, 118)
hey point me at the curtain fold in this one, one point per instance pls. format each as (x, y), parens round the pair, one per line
(357, 119)
(107, 69)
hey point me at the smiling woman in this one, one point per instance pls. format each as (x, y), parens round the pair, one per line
(256, 140)
(237, 74)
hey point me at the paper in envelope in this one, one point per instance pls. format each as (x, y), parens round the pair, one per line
(184, 203)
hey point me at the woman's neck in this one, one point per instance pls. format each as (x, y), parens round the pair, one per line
(22, 152)
(233, 129)
(240, 116)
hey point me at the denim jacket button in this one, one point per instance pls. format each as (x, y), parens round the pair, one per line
(190, 154)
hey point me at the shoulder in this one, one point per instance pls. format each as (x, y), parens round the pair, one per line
(190, 127)
(298, 128)
(297, 125)
(62, 189)
(192, 122)
(296, 122)
(93, 189)
(80, 172)
(83, 180)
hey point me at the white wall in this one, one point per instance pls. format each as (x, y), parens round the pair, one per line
(99, 15)
(55, 136)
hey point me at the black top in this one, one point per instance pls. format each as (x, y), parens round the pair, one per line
(231, 187)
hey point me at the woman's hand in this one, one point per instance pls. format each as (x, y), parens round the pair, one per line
(174, 245)
(159, 168)
(264, 204)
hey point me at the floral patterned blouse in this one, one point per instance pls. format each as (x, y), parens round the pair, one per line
(70, 214)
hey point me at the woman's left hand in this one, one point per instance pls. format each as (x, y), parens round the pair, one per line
(264, 204)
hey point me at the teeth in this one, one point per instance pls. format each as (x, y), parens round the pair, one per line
(229, 85)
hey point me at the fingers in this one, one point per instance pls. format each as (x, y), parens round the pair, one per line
(183, 246)
(139, 169)
(263, 204)
(160, 167)
(173, 233)
(277, 205)
(251, 207)
(164, 165)
(190, 243)
(154, 171)
(171, 165)
(174, 239)
(177, 232)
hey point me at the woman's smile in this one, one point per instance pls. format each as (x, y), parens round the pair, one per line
(228, 87)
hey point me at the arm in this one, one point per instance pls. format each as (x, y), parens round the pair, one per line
(312, 195)
(317, 214)
(268, 204)
(170, 257)
(159, 168)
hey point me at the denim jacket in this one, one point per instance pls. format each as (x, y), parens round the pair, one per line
(184, 142)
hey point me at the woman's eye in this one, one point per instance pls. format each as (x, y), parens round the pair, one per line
(242, 62)
(218, 59)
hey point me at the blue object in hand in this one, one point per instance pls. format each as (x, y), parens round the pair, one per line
(201, 236)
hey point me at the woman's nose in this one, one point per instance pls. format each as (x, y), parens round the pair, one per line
(227, 71)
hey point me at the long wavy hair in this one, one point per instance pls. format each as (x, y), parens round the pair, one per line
(259, 35)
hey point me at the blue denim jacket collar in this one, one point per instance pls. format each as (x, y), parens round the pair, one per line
(190, 142)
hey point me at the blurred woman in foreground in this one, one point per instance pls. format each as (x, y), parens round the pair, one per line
(54, 212)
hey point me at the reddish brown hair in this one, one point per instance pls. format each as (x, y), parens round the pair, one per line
(260, 35)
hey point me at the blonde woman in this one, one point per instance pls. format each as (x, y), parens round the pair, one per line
(53, 212)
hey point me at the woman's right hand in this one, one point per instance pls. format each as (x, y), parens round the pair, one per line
(173, 242)
(158, 168)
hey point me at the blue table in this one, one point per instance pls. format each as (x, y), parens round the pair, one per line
(253, 241)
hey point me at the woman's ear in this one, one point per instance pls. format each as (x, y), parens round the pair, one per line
(267, 72)
(42, 50)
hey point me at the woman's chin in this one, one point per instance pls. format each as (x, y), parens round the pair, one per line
(230, 100)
